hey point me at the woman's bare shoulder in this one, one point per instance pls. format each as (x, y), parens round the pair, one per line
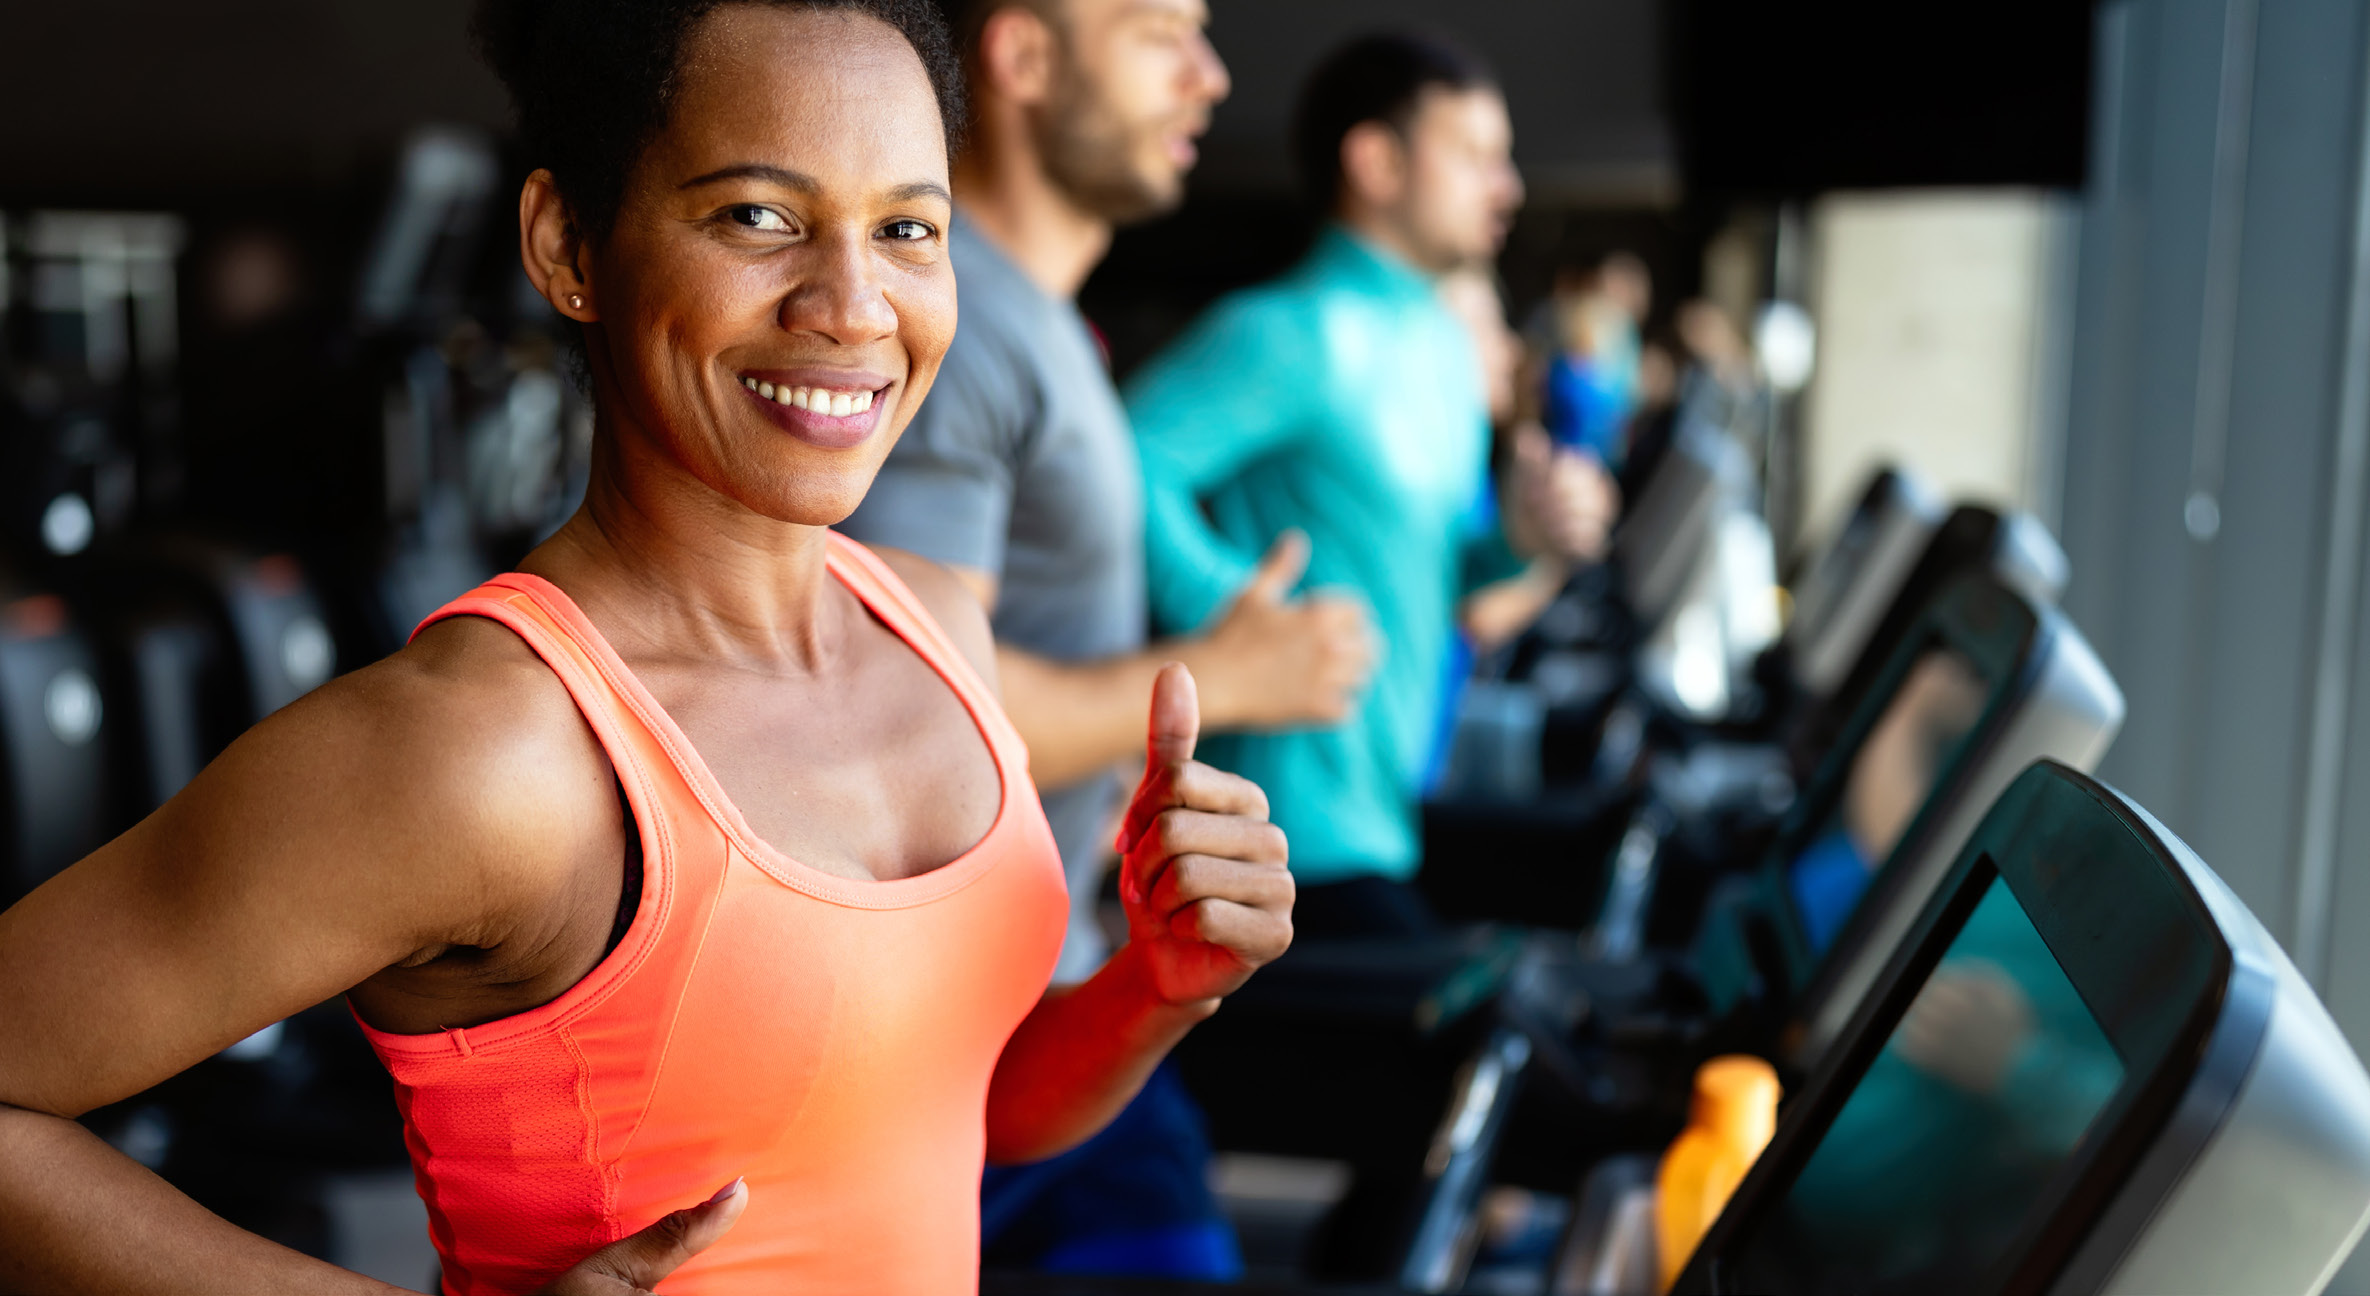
(469, 721)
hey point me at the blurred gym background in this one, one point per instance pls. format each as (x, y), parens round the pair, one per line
(273, 389)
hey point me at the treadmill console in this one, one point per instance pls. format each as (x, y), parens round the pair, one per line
(1986, 683)
(2051, 700)
(1840, 600)
(2087, 1070)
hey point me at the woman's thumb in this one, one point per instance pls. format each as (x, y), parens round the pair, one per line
(645, 1258)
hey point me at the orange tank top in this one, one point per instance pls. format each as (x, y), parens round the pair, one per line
(831, 1040)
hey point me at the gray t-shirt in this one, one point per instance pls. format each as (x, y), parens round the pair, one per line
(1020, 464)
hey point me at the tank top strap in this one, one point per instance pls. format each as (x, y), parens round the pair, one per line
(894, 602)
(526, 606)
(664, 803)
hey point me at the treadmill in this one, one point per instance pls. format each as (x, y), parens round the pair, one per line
(1843, 593)
(1987, 682)
(1664, 562)
(2012, 545)
(2053, 700)
(1984, 681)
(2087, 1070)
(1661, 788)
(2180, 1114)
(1663, 534)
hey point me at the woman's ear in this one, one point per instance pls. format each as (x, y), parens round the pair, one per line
(552, 251)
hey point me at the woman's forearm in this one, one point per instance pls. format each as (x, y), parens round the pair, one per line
(76, 1216)
(1079, 1058)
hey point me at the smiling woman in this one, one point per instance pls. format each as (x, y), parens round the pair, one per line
(793, 238)
(689, 881)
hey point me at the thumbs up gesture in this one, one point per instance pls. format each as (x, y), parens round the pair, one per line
(1276, 660)
(1202, 871)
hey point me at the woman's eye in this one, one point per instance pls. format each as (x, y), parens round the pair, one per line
(908, 231)
(752, 216)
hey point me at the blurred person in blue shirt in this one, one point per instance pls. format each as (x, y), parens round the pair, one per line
(1345, 401)
(1589, 330)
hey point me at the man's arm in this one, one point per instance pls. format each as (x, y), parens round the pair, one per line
(1269, 661)
(1498, 612)
(1238, 386)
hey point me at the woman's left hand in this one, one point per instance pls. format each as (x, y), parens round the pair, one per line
(1202, 871)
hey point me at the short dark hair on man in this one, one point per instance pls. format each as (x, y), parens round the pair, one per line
(592, 81)
(1379, 77)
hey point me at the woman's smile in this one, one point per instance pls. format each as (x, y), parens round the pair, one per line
(829, 409)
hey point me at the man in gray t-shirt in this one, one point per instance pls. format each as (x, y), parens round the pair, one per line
(1019, 471)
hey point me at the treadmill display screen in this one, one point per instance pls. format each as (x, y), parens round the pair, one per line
(1940, 1153)
(1928, 718)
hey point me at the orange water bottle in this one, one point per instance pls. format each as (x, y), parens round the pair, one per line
(1734, 1114)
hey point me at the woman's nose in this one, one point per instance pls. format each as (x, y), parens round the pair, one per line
(840, 297)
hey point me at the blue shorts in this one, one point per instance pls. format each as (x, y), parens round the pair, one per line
(1133, 1201)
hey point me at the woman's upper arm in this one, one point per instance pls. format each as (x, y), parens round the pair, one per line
(334, 839)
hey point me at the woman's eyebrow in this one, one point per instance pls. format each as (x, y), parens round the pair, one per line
(782, 176)
(807, 184)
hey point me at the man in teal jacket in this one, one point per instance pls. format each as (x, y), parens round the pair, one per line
(1346, 402)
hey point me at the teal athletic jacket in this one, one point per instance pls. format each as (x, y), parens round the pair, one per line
(1345, 400)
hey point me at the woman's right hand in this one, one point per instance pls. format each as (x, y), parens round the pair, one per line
(633, 1266)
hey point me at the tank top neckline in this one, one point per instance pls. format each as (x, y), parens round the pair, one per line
(849, 566)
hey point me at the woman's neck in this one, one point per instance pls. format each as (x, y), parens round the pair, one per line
(668, 567)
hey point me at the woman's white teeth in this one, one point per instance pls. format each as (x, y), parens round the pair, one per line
(817, 400)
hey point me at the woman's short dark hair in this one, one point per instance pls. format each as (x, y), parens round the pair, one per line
(592, 81)
(1376, 78)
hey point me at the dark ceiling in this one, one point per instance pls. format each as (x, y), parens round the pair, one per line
(152, 103)
(165, 103)
(169, 103)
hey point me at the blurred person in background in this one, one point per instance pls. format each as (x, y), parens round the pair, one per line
(1721, 381)
(1707, 376)
(1346, 401)
(1588, 334)
(1020, 475)
(1494, 614)
(689, 880)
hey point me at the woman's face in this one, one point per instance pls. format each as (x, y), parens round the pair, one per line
(774, 297)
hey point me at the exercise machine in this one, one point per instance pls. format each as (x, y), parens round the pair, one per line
(2088, 1069)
